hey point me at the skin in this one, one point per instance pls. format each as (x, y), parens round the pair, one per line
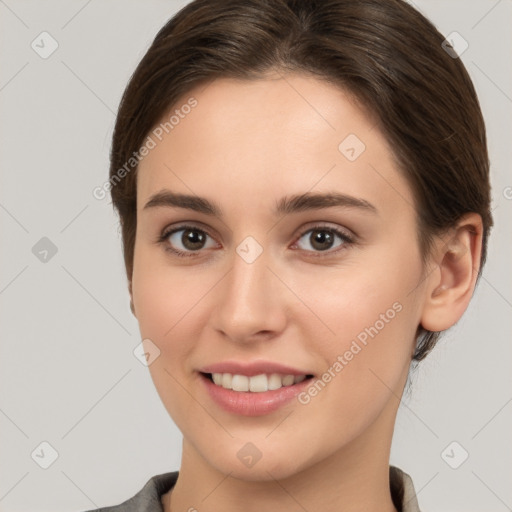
(244, 146)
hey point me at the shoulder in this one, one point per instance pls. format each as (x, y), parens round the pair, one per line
(402, 490)
(148, 498)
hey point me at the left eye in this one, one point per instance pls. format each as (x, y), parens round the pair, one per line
(322, 239)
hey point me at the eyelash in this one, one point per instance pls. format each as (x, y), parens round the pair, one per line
(163, 239)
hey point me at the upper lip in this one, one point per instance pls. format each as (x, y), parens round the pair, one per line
(251, 368)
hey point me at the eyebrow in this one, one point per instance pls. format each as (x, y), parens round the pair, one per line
(286, 205)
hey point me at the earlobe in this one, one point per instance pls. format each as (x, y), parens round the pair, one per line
(450, 286)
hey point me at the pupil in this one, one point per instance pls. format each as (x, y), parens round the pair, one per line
(321, 237)
(192, 239)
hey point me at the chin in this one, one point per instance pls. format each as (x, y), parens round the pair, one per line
(276, 464)
(262, 471)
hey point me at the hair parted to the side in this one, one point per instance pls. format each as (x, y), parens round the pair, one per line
(383, 52)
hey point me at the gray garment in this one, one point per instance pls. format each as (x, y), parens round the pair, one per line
(148, 499)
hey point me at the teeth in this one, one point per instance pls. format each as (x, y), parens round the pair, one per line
(226, 380)
(240, 383)
(257, 384)
(288, 380)
(275, 381)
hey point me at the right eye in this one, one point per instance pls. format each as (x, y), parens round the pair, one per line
(190, 238)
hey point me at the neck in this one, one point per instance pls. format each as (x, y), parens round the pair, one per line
(353, 479)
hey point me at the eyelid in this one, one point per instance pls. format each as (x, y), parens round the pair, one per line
(311, 226)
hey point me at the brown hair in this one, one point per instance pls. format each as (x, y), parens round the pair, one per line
(384, 52)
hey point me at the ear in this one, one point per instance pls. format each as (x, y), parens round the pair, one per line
(451, 284)
(132, 307)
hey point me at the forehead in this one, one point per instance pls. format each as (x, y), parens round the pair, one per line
(254, 141)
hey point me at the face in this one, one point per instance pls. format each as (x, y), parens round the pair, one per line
(249, 281)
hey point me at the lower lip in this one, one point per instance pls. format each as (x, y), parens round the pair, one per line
(251, 403)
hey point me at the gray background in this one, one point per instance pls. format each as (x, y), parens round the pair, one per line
(68, 373)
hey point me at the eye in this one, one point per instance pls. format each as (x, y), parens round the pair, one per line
(323, 238)
(186, 241)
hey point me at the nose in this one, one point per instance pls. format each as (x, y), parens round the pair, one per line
(250, 302)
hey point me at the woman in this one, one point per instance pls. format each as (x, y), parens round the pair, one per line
(304, 200)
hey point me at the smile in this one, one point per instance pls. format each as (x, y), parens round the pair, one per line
(255, 384)
(254, 395)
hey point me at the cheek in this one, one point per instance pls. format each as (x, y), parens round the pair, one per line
(162, 295)
(372, 318)
(365, 361)
(360, 298)
(157, 298)
(163, 299)
(170, 304)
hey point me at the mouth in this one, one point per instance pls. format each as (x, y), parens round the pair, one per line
(254, 395)
(254, 384)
